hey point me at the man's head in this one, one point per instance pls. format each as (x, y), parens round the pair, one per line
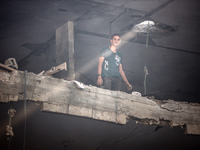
(115, 34)
(115, 40)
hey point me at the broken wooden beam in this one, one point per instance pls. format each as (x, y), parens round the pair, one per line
(7, 67)
(54, 70)
(75, 98)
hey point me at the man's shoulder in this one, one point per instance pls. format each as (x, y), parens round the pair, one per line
(105, 52)
(105, 49)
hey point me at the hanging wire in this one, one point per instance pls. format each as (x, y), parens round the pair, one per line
(9, 129)
(10, 138)
(24, 145)
(147, 40)
(145, 77)
(145, 67)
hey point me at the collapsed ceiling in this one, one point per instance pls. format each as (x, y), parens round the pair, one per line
(171, 54)
(169, 50)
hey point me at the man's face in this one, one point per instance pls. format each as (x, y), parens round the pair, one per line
(115, 41)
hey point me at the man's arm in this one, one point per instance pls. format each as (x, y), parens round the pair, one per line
(99, 78)
(121, 71)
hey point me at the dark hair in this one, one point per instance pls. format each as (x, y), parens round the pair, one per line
(115, 34)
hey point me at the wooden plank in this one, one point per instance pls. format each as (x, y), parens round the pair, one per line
(7, 68)
(56, 69)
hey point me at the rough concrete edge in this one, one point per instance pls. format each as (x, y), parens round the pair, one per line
(85, 112)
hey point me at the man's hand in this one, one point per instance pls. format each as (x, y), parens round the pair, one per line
(129, 86)
(99, 81)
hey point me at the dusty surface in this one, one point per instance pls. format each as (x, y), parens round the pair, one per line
(75, 98)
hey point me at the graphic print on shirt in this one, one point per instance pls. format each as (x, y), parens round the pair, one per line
(117, 60)
(106, 67)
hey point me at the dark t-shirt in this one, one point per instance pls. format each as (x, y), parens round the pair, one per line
(111, 63)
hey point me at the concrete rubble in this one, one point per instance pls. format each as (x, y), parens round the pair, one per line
(75, 98)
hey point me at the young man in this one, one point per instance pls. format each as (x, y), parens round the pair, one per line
(110, 71)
